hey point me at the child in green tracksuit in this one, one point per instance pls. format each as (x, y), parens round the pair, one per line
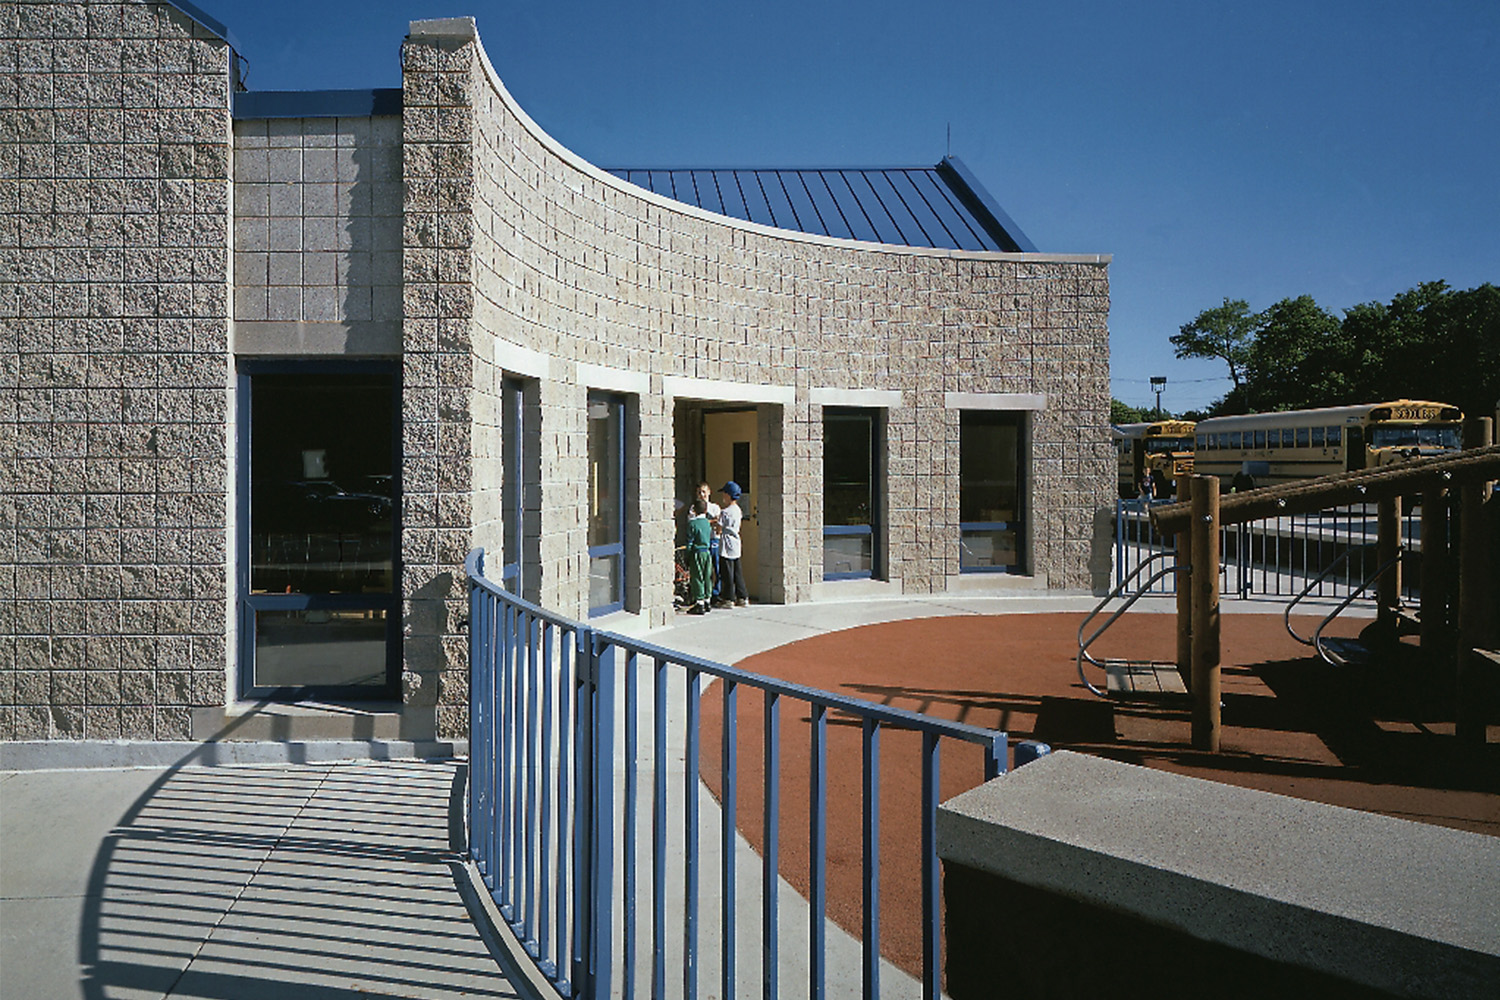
(700, 582)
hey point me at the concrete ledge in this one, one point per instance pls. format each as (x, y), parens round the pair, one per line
(854, 590)
(57, 755)
(975, 584)
(1380, 906)
(300, 722)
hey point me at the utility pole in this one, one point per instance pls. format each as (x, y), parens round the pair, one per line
(1158, 383)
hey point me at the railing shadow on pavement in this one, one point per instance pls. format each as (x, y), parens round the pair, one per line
(303, 881)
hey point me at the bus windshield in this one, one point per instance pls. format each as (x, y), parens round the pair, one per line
(1414, 437)
(1161, 446)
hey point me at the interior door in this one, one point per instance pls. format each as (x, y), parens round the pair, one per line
(729, 453)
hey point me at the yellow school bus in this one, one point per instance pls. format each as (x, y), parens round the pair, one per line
(1262, 449)
(1159, 451)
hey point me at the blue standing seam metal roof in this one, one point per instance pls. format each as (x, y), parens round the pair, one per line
(943, 207)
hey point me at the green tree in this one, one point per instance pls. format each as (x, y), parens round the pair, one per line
(1430, 342)
(1224, 332)
(1298, 358)
(1124, 413)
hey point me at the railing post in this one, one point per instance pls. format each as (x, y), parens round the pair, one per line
(1205, 588)
(1184, 591)
(602, 830)
(477, 739)
(1434, 576)
(1475, 571)
(1388, 546)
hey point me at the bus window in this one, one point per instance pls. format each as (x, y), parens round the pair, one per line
(1234, 440)
(1260, 439)
(1317, 437)
(1223, 439)
(1439, 437)
(1200, 444)
(1407, 437)
(1288, 438)
(1334, 436)
(1301, 437)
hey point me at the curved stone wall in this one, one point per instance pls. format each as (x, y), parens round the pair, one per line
(522, 258)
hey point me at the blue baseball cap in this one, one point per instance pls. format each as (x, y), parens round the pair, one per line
(732, 488)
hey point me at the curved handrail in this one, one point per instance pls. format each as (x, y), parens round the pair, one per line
(1317, 642)
(1084, 644)
(1286, 614)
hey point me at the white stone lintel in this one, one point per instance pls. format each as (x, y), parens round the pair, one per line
(678, 386)
(889, 399)
(614, 379)
(995, 400)
(522, 360)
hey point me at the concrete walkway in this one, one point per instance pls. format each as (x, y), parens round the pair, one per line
(309, 881)
(294, 881)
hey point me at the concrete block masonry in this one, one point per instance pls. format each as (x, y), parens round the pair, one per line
(1207, 889)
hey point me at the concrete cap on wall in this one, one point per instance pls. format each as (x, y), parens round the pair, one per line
(463, 28)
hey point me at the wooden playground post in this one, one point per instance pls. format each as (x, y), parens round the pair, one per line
(1184, 580)
(1474, 576)
(1387, 546)
(1204, 529)
(1434, 601)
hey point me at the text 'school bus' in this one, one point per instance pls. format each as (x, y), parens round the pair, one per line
(1262, 449)
(1161, 451)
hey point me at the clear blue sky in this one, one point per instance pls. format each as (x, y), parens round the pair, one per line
(1345, 150)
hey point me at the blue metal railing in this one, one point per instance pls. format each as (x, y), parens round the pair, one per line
(545, 696)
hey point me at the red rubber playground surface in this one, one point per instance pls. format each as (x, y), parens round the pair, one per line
(1377, 738)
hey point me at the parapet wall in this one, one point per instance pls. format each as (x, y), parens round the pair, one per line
(1076, 876)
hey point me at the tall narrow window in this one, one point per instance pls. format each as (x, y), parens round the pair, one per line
(606, 503)
(850, 493)
(318, 538)
(990, 492)
(513, 446)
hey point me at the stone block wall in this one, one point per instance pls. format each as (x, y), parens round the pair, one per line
(114, 368)
(541, 265)
(317, 224)
(463, 240)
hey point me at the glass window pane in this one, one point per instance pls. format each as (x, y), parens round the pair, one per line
(322, 484)
(606, 500)
(988, 467)
(989, 549)
(606, 486)
(1317, 437)
(1301, 437)
(848, 480)
(848, 554)
(512, 440)
(320, 648)
(604, 581)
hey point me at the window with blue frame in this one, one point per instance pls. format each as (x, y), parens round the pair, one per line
(318, 529)
(519, 447)
(851, 495)
(990, 493)
(606, 502)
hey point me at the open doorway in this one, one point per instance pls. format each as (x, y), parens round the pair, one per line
(729, 453)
